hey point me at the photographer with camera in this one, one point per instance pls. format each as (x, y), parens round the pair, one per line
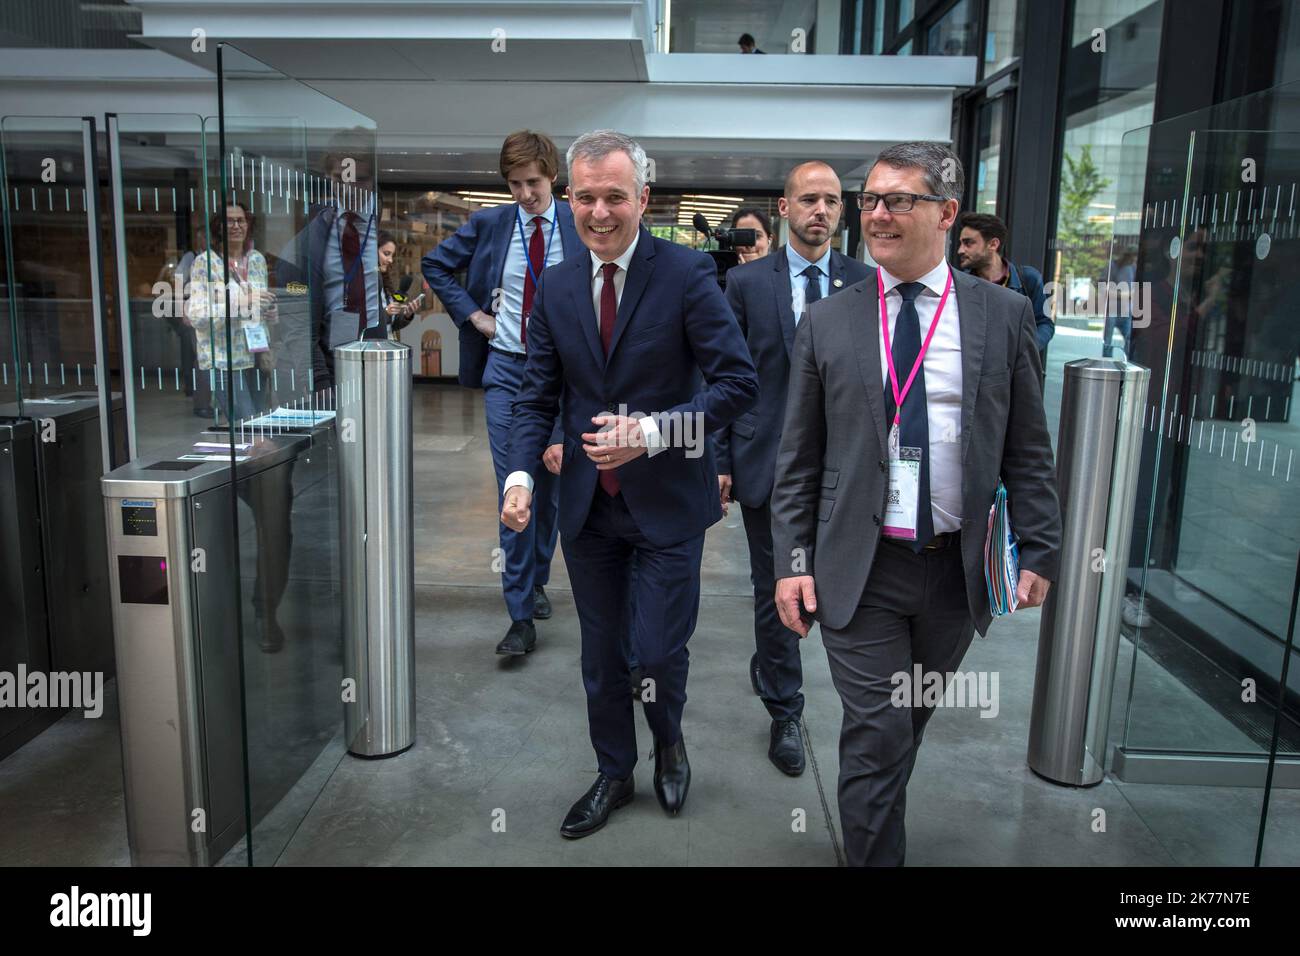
(749, 217)
(769, 297)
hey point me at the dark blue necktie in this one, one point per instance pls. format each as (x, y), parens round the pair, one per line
(914, 424)
(813, 286)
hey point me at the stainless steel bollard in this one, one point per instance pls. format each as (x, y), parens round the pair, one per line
(1098, 448)
(377, 558)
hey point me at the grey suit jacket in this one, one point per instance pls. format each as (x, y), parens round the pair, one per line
(831, 466)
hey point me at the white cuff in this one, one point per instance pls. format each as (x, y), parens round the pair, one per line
(654, 441)
(519, 478)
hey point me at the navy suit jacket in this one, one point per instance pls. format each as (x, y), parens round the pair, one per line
(760, 295)
(673, 326)
(479, 246)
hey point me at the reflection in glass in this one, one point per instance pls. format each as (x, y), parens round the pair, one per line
(955, 32)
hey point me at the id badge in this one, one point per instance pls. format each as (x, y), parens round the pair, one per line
(255, 336)
(904, 489)
(344, 327)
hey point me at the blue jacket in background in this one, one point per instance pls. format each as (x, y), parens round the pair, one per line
(479, 247)
(1028, 281)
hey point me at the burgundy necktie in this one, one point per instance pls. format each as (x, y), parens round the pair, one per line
(537, 259)
(354, 292)
(608, 315)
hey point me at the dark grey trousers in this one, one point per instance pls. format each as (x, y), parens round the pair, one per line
(913, 610)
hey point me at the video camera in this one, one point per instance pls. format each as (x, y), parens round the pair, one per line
(724, 257)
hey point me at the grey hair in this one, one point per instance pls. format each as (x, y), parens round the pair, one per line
(600, 143)
(943, 173)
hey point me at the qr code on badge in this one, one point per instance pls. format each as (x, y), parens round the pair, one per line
(893, 496)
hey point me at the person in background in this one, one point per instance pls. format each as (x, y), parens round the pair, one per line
(504, 251)
(254, 305)
(399, 313)
(981, 251)
(747, 217)
(1119, 311)
(768, 298)
(747, 44)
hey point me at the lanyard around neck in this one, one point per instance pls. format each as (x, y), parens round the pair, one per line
(889, 354)
(545, 255)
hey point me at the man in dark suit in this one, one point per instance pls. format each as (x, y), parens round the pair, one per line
(883, 489)
(505, 250)
(769, 296)
(620, 340)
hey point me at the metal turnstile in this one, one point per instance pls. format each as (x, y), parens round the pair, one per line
(377, 545)
(1097, 454)
(173, 566)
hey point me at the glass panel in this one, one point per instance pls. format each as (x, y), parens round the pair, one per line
(955, 34)
(299, 241)
(166, 202)
(1214, 557)
(906, 10)
(988, 158)
(56, 610)
(1004, 36)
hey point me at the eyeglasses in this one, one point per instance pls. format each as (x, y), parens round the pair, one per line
(894, 202)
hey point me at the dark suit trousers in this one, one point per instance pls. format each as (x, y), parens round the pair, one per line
(663, 612)
(912, 611)
(780, 670)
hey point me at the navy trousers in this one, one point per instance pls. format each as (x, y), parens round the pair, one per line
(526, 554)
(662, 615)
(780, 669)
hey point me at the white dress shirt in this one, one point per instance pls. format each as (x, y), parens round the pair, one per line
(653, 440)
(943, 383)
(515, 273)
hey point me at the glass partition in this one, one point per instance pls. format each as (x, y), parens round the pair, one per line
(1204, 256)
(296, 259)
(163, 203)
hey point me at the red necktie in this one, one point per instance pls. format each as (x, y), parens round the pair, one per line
(354, 293)
(537, 259)
(608, 315)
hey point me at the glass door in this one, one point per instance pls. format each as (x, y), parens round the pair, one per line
(295, 186)
(1212, 726)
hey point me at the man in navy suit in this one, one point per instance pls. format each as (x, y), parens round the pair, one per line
(505, 250)
(620, 339)
(769, 297)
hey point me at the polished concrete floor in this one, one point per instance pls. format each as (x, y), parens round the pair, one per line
(502, 747)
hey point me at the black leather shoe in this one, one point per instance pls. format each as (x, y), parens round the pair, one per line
(541, 604)
(786, 748)
(753, 675)
(592, 810)
(270, 637)
(672, 776)
(519, 640)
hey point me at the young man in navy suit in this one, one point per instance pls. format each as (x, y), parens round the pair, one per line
(505, 250)
(769, 297)
(621, 337)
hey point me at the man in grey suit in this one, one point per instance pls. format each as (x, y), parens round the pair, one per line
(769, 297)
(883, 489)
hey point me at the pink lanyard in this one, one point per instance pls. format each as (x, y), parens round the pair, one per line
(889, 353)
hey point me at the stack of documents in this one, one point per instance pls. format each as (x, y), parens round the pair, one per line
(1001, 557)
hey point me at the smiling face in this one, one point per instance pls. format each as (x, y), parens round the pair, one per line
(531, 188)
(606, 205)
(386, 253)
(907, 244)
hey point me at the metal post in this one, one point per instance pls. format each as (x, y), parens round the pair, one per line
(1098, 448)
(373, 383)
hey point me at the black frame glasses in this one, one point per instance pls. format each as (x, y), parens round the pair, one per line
(895, 202)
